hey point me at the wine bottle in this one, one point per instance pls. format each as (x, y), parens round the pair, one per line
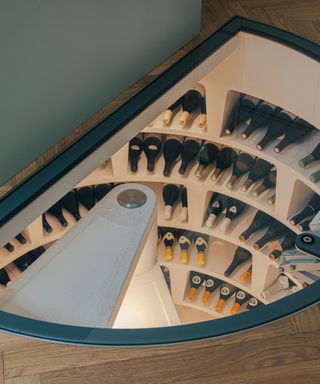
(201, 242)
(216, 205)
(259, 221)
(276, 229)
(259, 169)
(308, 211)
(296, 132)
(192, 100)
(225, 159)
(9, 247)
(185, 240)
(211, 284)
(312, 157)
(253, 303)
(207, 156)
(241, 255)
(171, 152)
(226, 291)
(170, 195)
(271, 200)
(135, 149)
(277, 128)
(304, 226)
(184, 201)
(169, 236)
(168, 113)
(268, 182)
(101, 190)
(260, 119)
(241, 166)
(46, 226)
(35, 253)
(86, 197)
(241, 297)
(281, 283)
(234, 209)
(315, 177)
(152, 148)
(189, 153)
(241, 112)
(4, 278)
(56, 211)
(202, 119)
(70, 202)
(245, 276)
(287, 243)
(196, 279)
(24, 261)
(21, 238)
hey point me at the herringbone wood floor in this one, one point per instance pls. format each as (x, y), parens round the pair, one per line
(286, 350)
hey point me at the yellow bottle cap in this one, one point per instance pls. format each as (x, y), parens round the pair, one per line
(235, 308)
(167, 117)
(184, 257)
(184, 117)
(245, 276)
(202, 121)
(271, 257)
(206, 296)
(220, 305)
(192, 294)
(201, 258)
(169, 253)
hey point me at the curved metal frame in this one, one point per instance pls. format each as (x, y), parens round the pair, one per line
(48, 175)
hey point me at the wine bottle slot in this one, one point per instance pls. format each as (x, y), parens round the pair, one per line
(135, 150)
(196, 279)
(309, 211)
(311, 158)
(241, 255)
(225, 159)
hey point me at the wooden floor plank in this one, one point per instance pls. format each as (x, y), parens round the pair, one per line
(24, 380)
(307, 320)
(1, 369)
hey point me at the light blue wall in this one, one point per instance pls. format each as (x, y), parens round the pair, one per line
(62, 60)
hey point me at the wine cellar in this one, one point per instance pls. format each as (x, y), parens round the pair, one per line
(233, 160)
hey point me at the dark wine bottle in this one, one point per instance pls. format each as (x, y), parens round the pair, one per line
(287, 243)
(194, 99)
(184, 201)
(241, 112)
(21, 238)
(86, 197)
(268, 182)
(135, 148)
(304, 226)
(233, 210)
(171, 152)
(276, 229)
(253, 303)
(189, 153)
(212, 284)
(296, 132)
(245, 276)
(170, 195)
(36, 253)
(260, 168)
(152, 148)
(312, 157)
(23, 262)
(70, 202)
(259, 221)
(308, 211)
(315, 177)
(216, 205)
(196, 279)
(241, 255)
(207, 156)
(241, 297)
(241, 166)
(46, 226)
(168, 113)
(185, 240)
(9, 247)
(201, 242)
(226, 291)
(4, 278)
(56, 211)
(277, 128)
(225, 159)
(168, 237)
(101, 190)
(261, 118)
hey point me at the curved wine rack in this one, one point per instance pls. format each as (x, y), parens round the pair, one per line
(239, 65)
